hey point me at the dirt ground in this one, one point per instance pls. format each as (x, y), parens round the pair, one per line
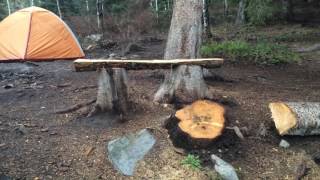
(36, 143)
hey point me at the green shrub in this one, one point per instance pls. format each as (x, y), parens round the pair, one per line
(259, 12)
(260, 53)
(192, 161)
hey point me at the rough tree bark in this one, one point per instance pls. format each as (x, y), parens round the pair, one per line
(112, 92)
(296, 118)
(184, 41)
(240, 15)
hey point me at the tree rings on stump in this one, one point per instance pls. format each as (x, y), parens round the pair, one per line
(202, 121)
(296, 118)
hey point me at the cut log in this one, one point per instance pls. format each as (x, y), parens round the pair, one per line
(296, 118)
(203, 121)
(94, 64)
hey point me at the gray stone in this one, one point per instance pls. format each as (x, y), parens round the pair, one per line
(126, 151)
(284, 144)
(224, 169)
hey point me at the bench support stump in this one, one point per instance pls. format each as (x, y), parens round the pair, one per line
(185, 79)
(112, 92)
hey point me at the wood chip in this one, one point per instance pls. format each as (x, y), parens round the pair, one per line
(89, 151)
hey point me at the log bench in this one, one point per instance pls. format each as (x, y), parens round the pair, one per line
(112, 85)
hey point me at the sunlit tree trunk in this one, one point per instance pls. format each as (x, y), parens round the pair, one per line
(59, 9)
(9, 8)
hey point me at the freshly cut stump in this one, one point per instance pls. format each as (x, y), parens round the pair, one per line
(296, 118)
(203, 121)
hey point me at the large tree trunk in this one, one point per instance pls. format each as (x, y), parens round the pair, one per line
(241, 10)
(184, 41)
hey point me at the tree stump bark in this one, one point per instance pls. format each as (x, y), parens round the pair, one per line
(112, 92)
(200, 123)
(296, 118)
(184, 41)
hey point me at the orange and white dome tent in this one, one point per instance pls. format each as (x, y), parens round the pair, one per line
(36, 34)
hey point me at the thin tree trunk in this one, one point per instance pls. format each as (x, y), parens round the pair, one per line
(241, 10)
(59, 9)
(32, 2)
(9, 8)
(226, 8)
(184, 41)
(157, 9)
(99, 5)
(287, 9)
(206, 22)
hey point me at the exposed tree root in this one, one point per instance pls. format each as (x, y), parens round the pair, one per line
(75, 107)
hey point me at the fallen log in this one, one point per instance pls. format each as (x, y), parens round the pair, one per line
(94, 64)
(296, 118)
(201, 122)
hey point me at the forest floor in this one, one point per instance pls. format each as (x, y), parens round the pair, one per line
(36, 143)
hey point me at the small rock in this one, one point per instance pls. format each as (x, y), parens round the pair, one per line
(4, 177)
(53, 133)
(262, 131)
(135, 56)
(224, 169)
(63, 169)
(112, 55)
(316, 158)
(125, 152)
(284, 144)
(21, 129)
(44, 130)
(2, 145)
(8, 86)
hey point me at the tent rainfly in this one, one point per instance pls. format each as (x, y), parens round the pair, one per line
(36, 34)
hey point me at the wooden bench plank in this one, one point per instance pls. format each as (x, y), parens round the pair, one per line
(94, 64)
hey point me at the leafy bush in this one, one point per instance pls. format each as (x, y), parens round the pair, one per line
(260, 53)
(192, 161)
(261, 11)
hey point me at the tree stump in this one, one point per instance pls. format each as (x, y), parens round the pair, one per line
(296, 118)
(184, 41)
(112, 92)
(201, 122)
